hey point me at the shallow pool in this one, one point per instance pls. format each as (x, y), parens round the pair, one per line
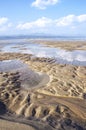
(76, 57)
(27, 77)
(11, 65)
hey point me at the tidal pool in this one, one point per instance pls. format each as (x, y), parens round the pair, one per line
(11, 65)
(27, 77)
(76, 57)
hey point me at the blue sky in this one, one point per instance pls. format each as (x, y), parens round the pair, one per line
(55, 17)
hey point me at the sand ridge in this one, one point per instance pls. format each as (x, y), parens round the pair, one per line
(60, 102)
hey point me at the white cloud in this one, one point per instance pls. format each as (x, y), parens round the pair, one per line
(66, 21)
(4, 24)
(70, 24)
(3, 20)
(42, 4)
(39, 23)
(71, 20)
(82, 18)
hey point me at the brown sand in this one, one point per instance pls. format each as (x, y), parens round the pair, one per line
(7, 125)
(59, 104)
(67, 45)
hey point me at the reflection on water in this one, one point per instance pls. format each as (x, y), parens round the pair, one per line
(27, 77)
(11, 65)
(77, 57)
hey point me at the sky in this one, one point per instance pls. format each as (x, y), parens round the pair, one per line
(45, 17)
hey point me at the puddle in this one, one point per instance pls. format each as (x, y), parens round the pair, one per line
(76, 57)
(28, 77)
(11, 65)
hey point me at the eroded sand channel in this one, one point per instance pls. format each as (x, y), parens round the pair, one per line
(28, 77)
(57, 102)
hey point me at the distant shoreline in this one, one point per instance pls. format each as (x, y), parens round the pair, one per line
(45, 37)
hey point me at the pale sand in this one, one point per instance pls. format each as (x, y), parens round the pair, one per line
(13, 123)
(67, 45)
(58, 100)
(7, 125)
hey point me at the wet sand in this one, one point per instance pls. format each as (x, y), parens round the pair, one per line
(58, 104)
(67, 45)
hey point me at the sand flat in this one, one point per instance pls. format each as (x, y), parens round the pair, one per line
(67, 45)
(56, 102)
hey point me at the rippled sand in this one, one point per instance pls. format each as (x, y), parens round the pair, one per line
(58, 104)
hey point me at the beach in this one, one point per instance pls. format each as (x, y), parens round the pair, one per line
(47, 93)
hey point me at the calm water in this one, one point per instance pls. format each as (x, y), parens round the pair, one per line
(64, 38)
(77, 57)
(11, 65)
(27, 77)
